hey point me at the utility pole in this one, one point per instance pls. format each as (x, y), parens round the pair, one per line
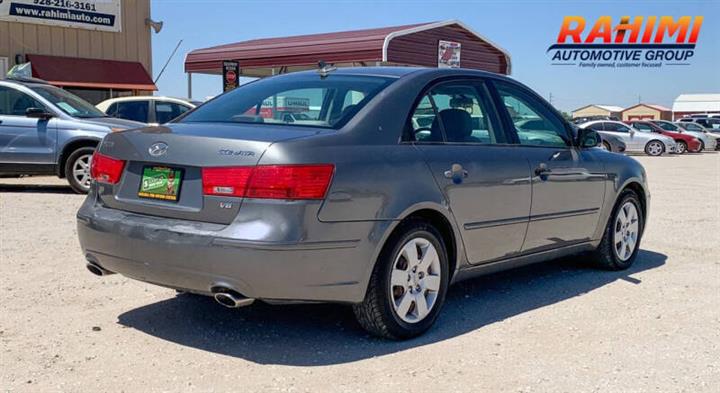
(639, 99)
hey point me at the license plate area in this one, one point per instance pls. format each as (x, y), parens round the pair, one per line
(161, 182)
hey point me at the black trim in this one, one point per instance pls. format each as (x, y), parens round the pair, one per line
(538, 217)
(569, 213)
(495, 223)
(28, 169)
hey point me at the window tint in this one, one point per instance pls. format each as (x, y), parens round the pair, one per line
(298, 100)
(596, 126)
(642, 127)
(133, 110)
(666, 126)
(616, 127)
(454, 112)
(15, 103)
(166, 111)
(534, 123)
(112, 109)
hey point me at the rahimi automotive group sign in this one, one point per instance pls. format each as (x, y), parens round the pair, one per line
(88, 14)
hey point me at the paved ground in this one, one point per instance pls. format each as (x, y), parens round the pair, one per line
(554, 327)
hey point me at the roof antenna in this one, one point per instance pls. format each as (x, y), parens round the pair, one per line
(324, 69)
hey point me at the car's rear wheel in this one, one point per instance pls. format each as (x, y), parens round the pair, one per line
(681, 147)
(654, 148)
(606, 146)
(408, 284)
(621, 239)
(702, 146)
(77, 169)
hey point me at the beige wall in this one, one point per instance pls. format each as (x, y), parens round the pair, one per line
(131, 44)
(644, 112)
(592, 111)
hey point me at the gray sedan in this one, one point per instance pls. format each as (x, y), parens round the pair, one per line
(393, 184)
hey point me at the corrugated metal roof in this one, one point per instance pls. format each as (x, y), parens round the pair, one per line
(345, 47)
(610, 108)
(697, 103)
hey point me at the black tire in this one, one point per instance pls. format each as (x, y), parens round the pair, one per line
(75, 184)
(605, 255)
(681, 147)
(648, 146)
(376, 314)
(702, 147)
(607, 146)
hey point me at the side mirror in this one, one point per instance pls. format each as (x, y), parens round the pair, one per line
(38, 113)
(588, 138)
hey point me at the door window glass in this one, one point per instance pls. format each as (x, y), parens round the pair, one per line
(15, 103)
(133, 110)
(453, 112)
(166, 111)
(596, 126)
(533, 122)
(642, 127)
(616, 127)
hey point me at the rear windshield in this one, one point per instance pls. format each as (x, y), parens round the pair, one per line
(306, 100)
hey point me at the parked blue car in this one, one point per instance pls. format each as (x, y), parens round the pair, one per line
(44, 130)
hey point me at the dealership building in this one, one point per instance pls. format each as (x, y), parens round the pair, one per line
(695, 104)
(98, 51)
(647, 112)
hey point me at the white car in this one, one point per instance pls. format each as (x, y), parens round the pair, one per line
(708, 143)
(146, 109)
(635, 140)
(695, 127)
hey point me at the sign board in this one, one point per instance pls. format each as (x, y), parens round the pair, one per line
(102, 15)
(231, 75)
(448, 54)
(3, 67)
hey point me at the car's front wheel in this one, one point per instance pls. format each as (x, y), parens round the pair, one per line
(681, 147)
(654, 148)
(621, 239)
(408, 284)
(77, 169)
(606, 146)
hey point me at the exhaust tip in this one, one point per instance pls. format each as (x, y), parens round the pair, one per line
(231, 298)
(97, 270)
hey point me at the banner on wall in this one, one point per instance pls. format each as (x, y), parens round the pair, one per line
(102, 15)
(448, 54)
(230, 75)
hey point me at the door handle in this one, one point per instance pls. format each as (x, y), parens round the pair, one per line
(456, 173)
(542, 170)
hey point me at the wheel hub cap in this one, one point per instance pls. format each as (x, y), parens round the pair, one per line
(415, 280)
(627, 230)
(81, 170)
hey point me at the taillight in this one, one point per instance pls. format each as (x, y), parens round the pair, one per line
(106, 169)
(231, 181)
(269, 181)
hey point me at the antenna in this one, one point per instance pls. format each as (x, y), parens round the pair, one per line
(325, 69)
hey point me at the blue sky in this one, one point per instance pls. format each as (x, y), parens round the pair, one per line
(524, 28)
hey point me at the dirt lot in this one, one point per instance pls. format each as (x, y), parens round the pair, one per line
(554, 327)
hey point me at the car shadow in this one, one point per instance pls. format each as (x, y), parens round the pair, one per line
(37, 188)
(325, 334)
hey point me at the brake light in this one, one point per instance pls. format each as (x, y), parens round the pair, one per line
(106, 169)
(269, 181)
(229, 181)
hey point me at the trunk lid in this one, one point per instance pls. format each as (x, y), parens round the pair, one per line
(184, 149)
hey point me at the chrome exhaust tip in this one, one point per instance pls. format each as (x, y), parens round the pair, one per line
(232, 299)
(95, 269)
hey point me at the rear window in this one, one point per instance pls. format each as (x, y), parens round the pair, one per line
(306, 100)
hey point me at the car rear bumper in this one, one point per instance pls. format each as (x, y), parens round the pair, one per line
(197, 257)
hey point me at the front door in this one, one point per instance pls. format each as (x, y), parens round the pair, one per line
(568, 184)
(486, 184)
(25, 140)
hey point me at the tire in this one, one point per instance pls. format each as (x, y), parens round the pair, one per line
(77, 169)
(392, 311)
(606, 146)
(607, 255)
(681, 147)
(654, 148)
(702, 147)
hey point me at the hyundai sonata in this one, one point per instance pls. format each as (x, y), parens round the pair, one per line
(393, 184)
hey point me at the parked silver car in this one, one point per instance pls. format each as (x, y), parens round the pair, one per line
(635, 140)
(44, 130)
(362, 204)
(706, 141)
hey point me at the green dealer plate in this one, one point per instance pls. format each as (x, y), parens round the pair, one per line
(159, 182)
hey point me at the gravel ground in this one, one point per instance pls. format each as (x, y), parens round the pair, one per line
(559, 326)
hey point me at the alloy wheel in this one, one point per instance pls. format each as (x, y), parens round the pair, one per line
(606, 146)
(681, 147)
(627, 229)
(81, 170)
(415, 280)
(654, 148)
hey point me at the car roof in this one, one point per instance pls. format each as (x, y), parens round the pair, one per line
(398, 72)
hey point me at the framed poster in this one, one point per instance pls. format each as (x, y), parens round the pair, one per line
(448, 54)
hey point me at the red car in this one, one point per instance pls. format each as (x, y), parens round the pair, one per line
(684, 142)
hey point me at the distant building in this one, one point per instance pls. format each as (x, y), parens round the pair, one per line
(597, 110)
(695, 104)
(647, 112)
(95, 55)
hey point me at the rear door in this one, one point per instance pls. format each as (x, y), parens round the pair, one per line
(25, 140)
(568, 184)
(133, 110)
(487, 185)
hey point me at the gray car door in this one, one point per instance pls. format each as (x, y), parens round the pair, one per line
(568, 184)
(25, 140)
(486, 184)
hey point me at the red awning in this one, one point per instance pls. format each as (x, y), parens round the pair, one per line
(91, 73)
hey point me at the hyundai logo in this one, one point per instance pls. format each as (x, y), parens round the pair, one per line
(158, 149)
